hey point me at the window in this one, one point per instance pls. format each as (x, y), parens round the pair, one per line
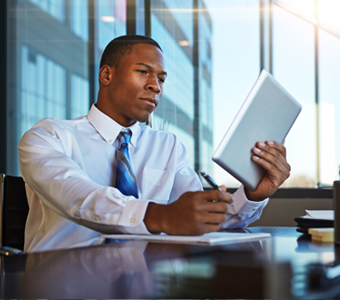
(313, 33)
(235, 40)
(329, 105)
(214, 51)
(293, 66)
(51, 54)
(235, 65)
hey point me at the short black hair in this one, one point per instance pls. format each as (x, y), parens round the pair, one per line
(121, 46)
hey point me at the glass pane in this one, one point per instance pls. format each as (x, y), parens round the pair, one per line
(236, 65)
(55, 8)
(111, 21)
(203, 93)
(79, 19)
(172, 28)
(293, 66)
(328, 12)
(329, 91)
(305, 8)
(49, 59)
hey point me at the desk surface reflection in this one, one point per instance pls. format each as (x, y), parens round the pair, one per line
(269, 268)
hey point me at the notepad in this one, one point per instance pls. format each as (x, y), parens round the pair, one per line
(322, 235)
(212, 238)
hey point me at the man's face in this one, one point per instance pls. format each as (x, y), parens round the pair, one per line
(136, 85)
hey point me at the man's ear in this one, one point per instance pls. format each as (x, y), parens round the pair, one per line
(105, 75)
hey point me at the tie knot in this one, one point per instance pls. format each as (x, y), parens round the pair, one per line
(124, 138)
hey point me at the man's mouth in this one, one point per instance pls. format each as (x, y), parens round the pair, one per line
(150, 101)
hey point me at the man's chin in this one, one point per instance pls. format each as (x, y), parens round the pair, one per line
(144, 116)
(144, 119)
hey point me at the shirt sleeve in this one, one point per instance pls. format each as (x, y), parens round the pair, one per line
(243, 211)
(64, 187)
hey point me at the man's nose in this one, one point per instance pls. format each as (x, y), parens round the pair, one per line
(153, 85)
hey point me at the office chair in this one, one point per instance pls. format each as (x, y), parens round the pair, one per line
(13, 211)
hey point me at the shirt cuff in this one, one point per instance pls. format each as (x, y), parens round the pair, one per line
(132, 217)
(243, 206)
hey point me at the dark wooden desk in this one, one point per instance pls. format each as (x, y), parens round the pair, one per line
(270, 268)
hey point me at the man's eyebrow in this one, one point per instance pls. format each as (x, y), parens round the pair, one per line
(149, 67)
(143, 64)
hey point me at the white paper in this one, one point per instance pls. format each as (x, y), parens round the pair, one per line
(320, 214)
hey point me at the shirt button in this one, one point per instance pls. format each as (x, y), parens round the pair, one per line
(96, 218)
(110, 141)
(136, 230)
(132, 220)
(255, 208)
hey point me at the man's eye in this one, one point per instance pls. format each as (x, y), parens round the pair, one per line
(161, 80)
(141, 71)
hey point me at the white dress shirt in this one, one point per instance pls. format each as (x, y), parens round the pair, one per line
(69, 170)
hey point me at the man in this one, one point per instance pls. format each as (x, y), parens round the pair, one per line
(75, 185)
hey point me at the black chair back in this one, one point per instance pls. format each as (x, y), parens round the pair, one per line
(14, 211)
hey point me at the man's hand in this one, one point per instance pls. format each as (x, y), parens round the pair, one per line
(272, 157)
(194, 213)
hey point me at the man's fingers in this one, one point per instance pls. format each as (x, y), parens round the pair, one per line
(279, 147)
(273, 148)
(274, 170)
(216, 207)
(273, 155)
(223, 188)
(214, 218)
(216, 195)
(193, 213)
(270, 162)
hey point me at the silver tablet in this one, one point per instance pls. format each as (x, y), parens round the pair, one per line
(268, 113)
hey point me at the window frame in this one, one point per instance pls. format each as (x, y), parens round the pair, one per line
(4, 9)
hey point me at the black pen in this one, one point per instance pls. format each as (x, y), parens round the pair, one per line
(212, 182)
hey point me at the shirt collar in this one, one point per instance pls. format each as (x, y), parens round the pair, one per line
(109, 128)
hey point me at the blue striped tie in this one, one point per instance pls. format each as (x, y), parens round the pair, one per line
(125, 178)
